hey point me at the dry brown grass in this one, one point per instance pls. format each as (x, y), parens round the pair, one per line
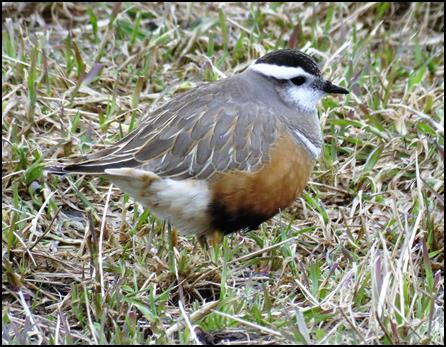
(357, 259)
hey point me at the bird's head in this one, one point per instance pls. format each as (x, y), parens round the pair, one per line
(297, 78)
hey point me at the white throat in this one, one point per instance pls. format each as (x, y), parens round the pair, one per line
(303, 98)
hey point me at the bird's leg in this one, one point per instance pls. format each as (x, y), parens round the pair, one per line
(210, 243)
(215, 238)
(202, 240)
(173, 236)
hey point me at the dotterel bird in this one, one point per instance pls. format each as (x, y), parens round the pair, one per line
(227, 155)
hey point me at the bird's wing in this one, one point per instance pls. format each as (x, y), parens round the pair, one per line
(212, 128)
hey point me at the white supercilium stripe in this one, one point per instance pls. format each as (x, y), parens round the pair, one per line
(315, 150)
(279, 72)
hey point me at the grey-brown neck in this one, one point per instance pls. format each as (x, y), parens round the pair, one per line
(302, 122)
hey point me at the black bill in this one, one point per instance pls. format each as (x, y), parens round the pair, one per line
(331, 88)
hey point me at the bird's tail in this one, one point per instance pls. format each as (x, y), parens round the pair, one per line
(132, 181)
(93, 167)
(135, 182)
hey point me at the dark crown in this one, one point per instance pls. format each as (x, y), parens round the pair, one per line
(292, 58)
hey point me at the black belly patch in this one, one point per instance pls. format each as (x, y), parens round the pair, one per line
(229, 222)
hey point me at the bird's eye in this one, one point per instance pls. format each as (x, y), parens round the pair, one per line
(298, 81)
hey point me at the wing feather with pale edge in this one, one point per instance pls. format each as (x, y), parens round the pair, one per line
(212, 128)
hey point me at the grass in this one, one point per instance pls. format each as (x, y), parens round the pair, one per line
(357, 259)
